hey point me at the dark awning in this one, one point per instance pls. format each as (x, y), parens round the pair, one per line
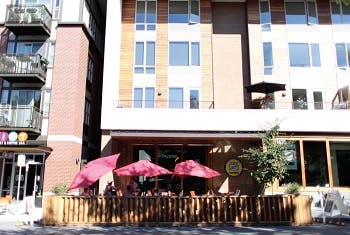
(266, 87)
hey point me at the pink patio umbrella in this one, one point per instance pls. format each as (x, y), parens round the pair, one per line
(193, 168)
(142, 168)
(93, 171)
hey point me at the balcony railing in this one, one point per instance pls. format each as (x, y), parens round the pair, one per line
(21, 117)
(28, 19)
(23, 68)
(175, 104)
(297, 105)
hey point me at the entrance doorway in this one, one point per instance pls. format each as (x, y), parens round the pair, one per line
(24, 180)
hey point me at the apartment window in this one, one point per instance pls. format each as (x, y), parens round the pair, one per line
(340, 13)
(46, 106)
(146, 15)
(301, 12)
(318, 100)
(268, 59)
(145, 58)
(184, 11)
(175, 98)
(343, 54)
(87, 112)
(194, 99)
(92, 26)
(56, 10)
(184, 54)
(304, 55)
(90, 69)
(265, 16)
(52, 53)
(47, 3)
(299, 99)
(144, 97)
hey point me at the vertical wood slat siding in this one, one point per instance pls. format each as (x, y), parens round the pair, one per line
(324, 12)
(277, 12)
(162, 54)
(127, 50)
(288, 209)
(206, 53)
(253, 14)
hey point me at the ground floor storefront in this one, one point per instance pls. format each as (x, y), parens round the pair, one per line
(314, 161)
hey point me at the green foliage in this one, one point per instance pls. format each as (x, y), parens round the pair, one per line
(60, 188)
(345, 2)
(292, 188)
(269, 160)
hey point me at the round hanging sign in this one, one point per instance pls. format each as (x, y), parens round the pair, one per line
(233, 167)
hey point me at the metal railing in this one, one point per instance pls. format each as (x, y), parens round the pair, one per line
(296, 105)
(29, 15)
(20, 116)
(33, 64)
(175, 104)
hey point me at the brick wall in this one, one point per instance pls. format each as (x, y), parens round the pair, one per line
(67, 105)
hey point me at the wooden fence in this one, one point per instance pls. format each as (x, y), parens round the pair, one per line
(174, 210)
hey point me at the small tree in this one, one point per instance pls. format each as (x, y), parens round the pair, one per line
(269, 160)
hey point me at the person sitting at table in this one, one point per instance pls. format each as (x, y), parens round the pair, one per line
(128, 192)
(86, 192)
(109, 189)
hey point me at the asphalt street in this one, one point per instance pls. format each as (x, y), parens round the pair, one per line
(318, 229)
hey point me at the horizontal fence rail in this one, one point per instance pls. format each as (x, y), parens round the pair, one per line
(174, 210)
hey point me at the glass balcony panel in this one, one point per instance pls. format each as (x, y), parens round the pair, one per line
(20, 117)
(23, 68)
(28, 19)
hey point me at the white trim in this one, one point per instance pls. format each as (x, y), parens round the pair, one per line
(65, 138)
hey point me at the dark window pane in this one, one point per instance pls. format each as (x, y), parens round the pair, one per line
(194, 17)
(295, 13)
(312, 16)
(140, 12)
(194, 99)
(336, 16)
(178, 12)
(265, 17)
(151, 12)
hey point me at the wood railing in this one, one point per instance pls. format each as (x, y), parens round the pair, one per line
(225, 210)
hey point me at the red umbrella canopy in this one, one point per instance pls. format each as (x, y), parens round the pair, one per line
(142, 168)
(193, 168)
(93, 171)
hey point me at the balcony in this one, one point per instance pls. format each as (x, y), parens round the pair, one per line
(20, 118)
(23, 68)
(28, 19)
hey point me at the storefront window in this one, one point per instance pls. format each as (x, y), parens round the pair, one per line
(316, 164)
(340, 157)
(294, 169)
(168, 156)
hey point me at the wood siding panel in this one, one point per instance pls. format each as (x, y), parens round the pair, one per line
(277, 12)
(127, 52)
(206, 54)
(162, 55)
(253, 14)
(323, 11)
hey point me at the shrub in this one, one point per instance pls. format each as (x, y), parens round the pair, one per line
(60, 188)
(292, 188)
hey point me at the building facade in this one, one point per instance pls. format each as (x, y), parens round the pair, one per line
(51, 82)
(176, 81)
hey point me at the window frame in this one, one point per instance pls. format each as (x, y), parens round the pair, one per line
(268, 67)
(314, 57)
(345, 54)
(190, 19)
(144, 66)
(339, 18)
(143, 102)
(190, 60)
(145, 25)
(265, 26)
(308, 19)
